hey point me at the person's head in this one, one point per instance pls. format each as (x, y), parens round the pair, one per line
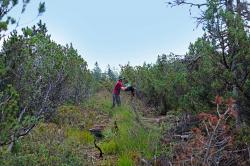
(120, 78)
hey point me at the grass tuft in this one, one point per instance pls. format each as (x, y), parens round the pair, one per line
(78, 136)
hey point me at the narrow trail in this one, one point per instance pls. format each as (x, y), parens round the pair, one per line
(109, 119)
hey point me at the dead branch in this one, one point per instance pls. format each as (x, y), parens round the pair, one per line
(182, 136)
(206, 128)
(211, 138)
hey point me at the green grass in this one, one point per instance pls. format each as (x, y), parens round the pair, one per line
(109, 147)
(78, 136)
(125, 161)
(132, 141)
(64, 140)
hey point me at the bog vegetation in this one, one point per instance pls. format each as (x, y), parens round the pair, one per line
(190, 109)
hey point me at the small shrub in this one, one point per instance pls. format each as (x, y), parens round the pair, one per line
(243, 135)
(69, 115)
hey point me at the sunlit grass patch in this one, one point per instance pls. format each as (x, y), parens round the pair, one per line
(78, 136)
(123, 114)
(109, 147)
(125, 160)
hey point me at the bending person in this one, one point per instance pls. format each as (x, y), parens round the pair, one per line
(116, 92)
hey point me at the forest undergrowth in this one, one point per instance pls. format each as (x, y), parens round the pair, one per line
(132, 136)
(66, 140)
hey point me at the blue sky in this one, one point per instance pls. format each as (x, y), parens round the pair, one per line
(117, 31)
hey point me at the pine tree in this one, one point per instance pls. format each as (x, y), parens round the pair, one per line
(97, 72)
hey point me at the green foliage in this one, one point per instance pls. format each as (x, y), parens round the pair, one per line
(41, 8)
(125, 161)
(6, 6)
(37, 75)
(109, 147)
(43, 75)
(77, 136)
(244, 136)
(161, 85)
(229, 49)
(66, 143)
(3, 26)
(216, 64)
(111, 74)
(9, 108)
(46, 145)
(70, 116)
(97, 72)
(131, 140)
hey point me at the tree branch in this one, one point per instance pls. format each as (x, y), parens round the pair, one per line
(184, 2)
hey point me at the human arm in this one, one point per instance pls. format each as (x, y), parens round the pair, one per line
(123, 88)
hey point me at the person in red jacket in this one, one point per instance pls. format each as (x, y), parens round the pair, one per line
(116, 92)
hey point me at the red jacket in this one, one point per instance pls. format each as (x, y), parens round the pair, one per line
(117, 88)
